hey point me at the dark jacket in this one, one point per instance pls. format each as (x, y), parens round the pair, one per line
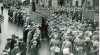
(12, 43)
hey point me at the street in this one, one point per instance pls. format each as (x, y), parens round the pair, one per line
(8, 29)
(49, 27)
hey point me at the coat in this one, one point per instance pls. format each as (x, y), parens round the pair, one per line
(34, 50)
(15, 51)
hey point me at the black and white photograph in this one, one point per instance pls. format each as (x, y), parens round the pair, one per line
(49, 27)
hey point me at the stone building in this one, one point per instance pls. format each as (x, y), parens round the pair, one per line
(66, 3)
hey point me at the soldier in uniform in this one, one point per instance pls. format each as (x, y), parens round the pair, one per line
(29, 38)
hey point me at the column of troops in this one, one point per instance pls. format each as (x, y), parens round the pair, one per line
(68, 32)
(72, 34)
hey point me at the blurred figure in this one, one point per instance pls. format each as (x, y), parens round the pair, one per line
(30, 34)
(13, 42)
(5, 52)
(33, 6)
(19, 48)
(44, 28)
(15, 50)
(2, 8)
(8, 44)
(25, 32)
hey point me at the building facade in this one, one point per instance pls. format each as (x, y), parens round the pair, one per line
(66, 3)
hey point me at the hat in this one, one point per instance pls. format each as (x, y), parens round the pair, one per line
(34, 42)
(87, 38)
(28, 26)
(88, 33)
(53, 14)
(18, 53)
(35, 37)
(8, 39)
(5, 53)
(57, 49)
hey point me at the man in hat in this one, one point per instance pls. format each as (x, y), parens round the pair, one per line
(15, 50)
(13, 41)
(8, 44)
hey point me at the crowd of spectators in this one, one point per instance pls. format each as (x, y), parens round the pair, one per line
(72, 34)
